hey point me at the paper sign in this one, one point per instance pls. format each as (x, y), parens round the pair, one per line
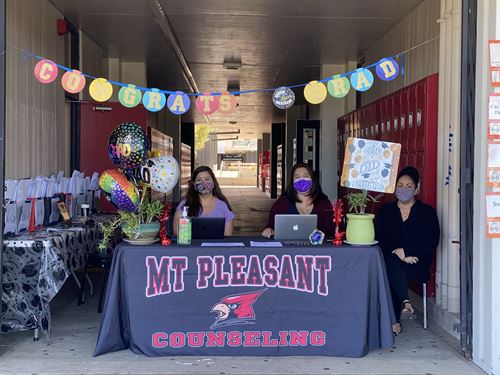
(54, 211)
(11, 217)
(370, 165)
(494, 130)
(493, 177)
(24, 216)
(493, 215)
(494, 155)
(494, 107)
(495, 62)
(315, 92)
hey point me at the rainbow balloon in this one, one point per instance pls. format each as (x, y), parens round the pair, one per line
(122, 193)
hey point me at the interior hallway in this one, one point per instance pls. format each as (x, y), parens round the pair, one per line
(251, 207)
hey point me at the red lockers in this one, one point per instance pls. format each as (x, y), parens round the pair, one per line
(409, 117)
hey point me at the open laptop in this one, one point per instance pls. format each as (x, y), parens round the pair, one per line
(206, 228)
(294, 227)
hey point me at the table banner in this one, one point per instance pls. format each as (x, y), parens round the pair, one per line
(164, 301)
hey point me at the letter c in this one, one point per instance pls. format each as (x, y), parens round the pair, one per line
(160, 340)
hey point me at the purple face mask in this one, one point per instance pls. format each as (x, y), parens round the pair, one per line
(405, 194)
(303, 185)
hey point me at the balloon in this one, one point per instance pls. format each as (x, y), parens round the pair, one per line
(161, 173)
(128, 146)
(123, 193)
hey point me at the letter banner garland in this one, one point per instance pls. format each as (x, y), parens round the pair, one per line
(178, 102)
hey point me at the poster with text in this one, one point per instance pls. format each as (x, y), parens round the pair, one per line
(370, 165)
(495, 62)
(493, 214)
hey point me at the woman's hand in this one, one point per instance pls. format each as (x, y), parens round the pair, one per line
(400, 253)
(410, 260)
(268, 232)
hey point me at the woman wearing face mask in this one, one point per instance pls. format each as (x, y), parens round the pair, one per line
(303, 196)
(408, 233)
(205, 199)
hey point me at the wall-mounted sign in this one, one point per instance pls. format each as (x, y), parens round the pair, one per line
(494, 107)
(493, 215)
(495, 62)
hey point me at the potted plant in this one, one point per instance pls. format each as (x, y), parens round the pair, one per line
(360, 229)
(143, 224)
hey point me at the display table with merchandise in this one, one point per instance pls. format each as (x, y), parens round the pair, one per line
(36, 266)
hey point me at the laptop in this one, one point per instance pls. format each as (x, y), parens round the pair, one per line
(207, 228)
(294, 227)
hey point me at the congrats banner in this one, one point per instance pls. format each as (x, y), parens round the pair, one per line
(207, 103)
(234, 301)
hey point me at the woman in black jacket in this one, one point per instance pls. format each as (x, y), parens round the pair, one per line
(408, 233)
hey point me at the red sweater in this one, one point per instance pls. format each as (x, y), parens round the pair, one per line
(323, 208)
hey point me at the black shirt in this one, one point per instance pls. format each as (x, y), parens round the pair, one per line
(418, 235)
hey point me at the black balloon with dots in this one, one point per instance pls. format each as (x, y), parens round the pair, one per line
(128, 145)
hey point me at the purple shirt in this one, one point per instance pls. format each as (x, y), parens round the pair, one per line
(220, 210)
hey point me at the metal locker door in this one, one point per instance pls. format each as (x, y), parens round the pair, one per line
(362, 122)
(381, 119)
(350, 130)
(396, 134)
(388, 118)
(421, 115)
(403, 161)
(403, 120)
(355, 124)
(412, 114)
(371, 121)
(424, 186)
(340, 126)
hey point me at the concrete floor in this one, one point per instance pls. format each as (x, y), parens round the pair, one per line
(75, 332)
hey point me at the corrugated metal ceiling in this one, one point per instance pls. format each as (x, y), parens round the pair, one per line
(278, 41)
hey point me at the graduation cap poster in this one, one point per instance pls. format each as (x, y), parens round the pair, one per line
(370, 165)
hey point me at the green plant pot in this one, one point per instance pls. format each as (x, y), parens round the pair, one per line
(360, 229)
(146, 231)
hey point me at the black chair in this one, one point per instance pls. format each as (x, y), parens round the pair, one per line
(101, 260)
(97, 260)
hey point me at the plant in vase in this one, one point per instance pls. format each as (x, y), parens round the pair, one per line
(360, 228)
(143, 224)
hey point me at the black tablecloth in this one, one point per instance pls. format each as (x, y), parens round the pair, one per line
(35, 267)
(326, 300)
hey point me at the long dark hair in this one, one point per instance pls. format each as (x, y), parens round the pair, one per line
(315, 193)
(192, 197)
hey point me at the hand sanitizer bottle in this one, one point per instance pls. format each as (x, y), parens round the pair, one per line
(184, 230)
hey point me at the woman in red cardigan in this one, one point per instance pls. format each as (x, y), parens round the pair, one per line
(303, 196)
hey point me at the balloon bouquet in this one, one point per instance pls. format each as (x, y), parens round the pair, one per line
(127, 186)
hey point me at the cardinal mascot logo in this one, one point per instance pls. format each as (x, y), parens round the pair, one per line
(236, 309)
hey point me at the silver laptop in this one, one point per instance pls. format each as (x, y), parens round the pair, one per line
(294, 227)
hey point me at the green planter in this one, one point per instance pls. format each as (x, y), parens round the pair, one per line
(360, 229)
(146, 231)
